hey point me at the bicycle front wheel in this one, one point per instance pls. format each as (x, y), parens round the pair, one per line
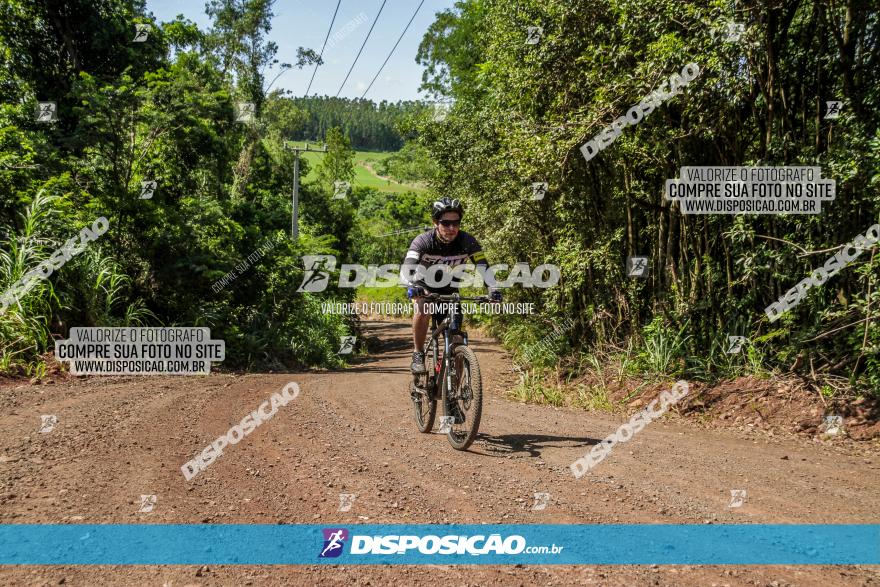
(463, 403)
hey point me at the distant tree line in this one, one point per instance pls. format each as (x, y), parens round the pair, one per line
(369, 126)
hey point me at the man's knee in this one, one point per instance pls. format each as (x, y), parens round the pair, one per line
(419, 309)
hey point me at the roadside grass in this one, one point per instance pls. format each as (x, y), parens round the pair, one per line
(395, 294)
(609, 378)
(532, 389)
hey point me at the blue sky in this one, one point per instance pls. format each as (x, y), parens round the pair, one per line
(305, 22)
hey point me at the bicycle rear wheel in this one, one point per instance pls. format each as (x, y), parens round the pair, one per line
(464, 402)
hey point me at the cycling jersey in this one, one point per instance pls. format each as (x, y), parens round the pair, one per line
(427, 250)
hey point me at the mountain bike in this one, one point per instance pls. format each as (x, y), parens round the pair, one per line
(452, 376)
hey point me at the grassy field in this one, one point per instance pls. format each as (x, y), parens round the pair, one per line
(363, 176)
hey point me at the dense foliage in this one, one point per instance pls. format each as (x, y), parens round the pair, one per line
(523, 110)
(165, 110)
(412, 163)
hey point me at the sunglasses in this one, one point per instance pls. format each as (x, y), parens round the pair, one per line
(448, 223)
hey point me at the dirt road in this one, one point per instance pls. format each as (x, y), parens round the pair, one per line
(351, 432)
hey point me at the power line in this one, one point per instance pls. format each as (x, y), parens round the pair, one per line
(317, 65)
(404, 231)
(393, 48)
(362, 47)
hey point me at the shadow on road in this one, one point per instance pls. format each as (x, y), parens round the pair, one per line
(365, 367)
(531, 443)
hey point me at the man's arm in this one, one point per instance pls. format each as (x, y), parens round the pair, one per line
(478, 258)
(410, 270)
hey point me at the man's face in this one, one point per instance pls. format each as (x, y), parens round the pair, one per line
(448, 225)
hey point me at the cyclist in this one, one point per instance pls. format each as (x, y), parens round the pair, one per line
(444, 245)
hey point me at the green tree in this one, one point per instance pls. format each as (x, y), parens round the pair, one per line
(338, 163)
(522, 111)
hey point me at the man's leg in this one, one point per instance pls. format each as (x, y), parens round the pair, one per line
(420, 331)
(420, 324)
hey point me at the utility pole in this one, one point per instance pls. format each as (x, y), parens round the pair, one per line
(294, 208)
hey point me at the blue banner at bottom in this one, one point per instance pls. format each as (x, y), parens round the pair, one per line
(530, 544)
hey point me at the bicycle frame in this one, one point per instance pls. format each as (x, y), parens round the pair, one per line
(444, 370)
